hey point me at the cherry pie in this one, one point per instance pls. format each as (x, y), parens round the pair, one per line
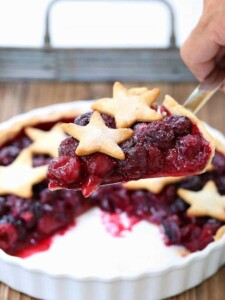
(154, 141)
(30, 212)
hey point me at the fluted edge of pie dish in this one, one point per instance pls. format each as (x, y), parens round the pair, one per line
(154, 284)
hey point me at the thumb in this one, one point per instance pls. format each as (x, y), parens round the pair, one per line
(199, 52)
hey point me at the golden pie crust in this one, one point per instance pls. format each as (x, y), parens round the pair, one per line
(10, 132)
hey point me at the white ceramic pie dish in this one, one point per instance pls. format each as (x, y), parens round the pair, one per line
(88, 263)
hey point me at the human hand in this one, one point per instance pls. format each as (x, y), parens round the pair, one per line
(204, 50)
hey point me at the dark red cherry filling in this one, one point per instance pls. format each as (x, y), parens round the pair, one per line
(171, 147)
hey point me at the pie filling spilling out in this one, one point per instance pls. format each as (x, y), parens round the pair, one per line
(125, 139)
(190, 210)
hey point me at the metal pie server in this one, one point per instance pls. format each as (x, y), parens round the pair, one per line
(203, 92)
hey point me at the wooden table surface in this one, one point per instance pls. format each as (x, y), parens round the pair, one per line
(16, 98)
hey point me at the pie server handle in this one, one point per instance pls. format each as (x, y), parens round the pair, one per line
(203, 92)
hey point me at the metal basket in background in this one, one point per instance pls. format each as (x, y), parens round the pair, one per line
(82, 64)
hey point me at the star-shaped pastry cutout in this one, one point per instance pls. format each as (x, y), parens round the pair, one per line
(153, 185)
(19, 177)
(46, 142)
(97, 137)
(129, 107)
(207, 202)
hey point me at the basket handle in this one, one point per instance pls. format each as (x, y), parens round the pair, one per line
(47, 35)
